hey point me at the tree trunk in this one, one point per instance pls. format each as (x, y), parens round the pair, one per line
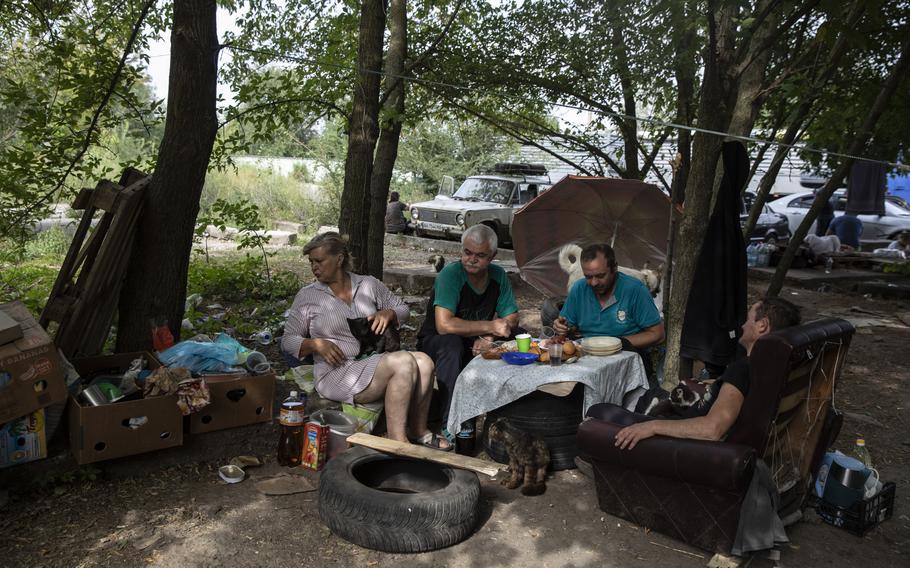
(860, 139)
(387, 149)
(155, 284)
(684, 70)
(621, 65)
(363, 130)
(715, 108)
(750, 98)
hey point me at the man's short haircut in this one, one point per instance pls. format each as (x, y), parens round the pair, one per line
(480, 234)
(590, 252)
(781, 313)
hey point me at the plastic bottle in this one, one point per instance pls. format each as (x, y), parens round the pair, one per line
(764, 255)
(862, 453)
(292, 418)
(829, 264)
(465, 440)
(750, 255)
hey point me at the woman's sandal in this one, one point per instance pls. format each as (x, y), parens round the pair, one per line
(433, 441)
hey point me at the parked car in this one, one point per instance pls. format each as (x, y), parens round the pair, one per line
(875, 227)
(770, 227)
(489, 199)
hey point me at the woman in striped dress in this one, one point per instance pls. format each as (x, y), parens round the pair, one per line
(317, 325)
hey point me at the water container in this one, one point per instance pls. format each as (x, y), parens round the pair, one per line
(340, 426)
(750, 255)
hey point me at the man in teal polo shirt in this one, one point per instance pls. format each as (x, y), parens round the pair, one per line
(608, 302)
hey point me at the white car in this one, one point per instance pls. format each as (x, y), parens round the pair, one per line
(875, 227)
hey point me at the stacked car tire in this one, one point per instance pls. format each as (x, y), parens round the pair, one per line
(553, 418)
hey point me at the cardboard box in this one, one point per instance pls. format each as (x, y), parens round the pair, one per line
(99, 433)
(31, 374)
(23, 440)
(237, 400)
(10, 330)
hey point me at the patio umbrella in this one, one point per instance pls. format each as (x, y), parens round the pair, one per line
(630, 215)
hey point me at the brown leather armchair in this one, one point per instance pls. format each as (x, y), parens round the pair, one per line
(692, 490)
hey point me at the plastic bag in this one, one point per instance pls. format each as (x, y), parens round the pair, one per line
(201, 357)
(303, 376)
(366, 415)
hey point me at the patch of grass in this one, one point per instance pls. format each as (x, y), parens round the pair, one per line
(30, 282)
(253, 301)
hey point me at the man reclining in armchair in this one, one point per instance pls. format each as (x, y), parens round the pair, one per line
(766, 315)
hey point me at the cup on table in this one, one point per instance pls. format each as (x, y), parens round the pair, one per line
(555, 350)
(547, 332)
(523, 341)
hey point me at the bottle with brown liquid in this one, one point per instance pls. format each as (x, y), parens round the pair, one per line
(290, 442)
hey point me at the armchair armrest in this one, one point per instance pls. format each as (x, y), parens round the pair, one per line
(714, 464)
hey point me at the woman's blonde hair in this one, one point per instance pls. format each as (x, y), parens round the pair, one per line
(333, 243)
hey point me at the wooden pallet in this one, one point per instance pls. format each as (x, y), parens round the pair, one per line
(85, 294)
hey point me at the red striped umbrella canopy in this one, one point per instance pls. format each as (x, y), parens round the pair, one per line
(632, 216)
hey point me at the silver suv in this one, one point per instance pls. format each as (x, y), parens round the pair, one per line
(489, 199)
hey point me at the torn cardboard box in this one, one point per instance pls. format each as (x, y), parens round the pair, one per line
(109, 431)
(31, 374)
(236, 400)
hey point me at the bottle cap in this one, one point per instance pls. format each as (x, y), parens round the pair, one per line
(860, 442)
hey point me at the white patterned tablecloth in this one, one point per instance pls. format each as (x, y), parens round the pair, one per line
(485, 385)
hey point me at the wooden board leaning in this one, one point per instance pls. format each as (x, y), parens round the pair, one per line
(423, 453)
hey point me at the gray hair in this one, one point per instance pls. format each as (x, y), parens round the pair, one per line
(480, 234)
(333, 244)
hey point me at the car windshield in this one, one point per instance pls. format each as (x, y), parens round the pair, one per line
(485, 189)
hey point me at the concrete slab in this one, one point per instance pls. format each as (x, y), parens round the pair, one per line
(289, 226)
(282, 237)
(420, 281)
(894, 286)
(439, 246)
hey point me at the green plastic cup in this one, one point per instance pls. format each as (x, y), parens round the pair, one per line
(523, 341)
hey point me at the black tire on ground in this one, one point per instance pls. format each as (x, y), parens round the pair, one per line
(544, 414)
(396, 504)
(563, 450)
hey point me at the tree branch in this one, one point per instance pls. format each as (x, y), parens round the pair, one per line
(112, 86)
(278, 103)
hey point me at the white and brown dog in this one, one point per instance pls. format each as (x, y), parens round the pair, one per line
(570, 261)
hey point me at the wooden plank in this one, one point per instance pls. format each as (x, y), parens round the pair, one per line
(84, 199)
(106, 195)
(423, 453)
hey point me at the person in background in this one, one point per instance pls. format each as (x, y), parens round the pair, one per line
(848, 228)
(471, 305)
(395, 221)
(825, 216)
(902, 243)
(317, 325)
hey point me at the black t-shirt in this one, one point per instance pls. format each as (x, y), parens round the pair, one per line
(737, 374)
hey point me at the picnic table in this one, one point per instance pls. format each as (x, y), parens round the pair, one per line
(485, 385)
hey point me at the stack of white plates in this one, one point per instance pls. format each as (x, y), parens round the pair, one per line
(601, 345)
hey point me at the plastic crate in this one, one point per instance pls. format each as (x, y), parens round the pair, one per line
(862, 516)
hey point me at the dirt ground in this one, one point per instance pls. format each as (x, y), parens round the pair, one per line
(170, 508)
